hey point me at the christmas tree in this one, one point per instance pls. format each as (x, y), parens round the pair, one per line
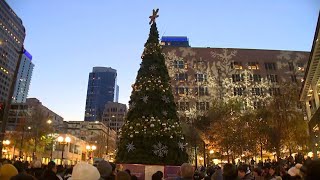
(152, 133)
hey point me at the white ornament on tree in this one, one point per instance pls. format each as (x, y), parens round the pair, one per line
(160, 150)
(164, 113)
(181, 146)
(152, 67)
(145, 99)
(132, 105)
(165, 99)
(130, 147)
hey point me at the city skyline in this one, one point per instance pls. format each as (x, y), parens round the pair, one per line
(112, 35)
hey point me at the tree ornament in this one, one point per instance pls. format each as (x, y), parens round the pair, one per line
(132, 105)
(151, 125)
(164, 113)
(181, 145)
(165, 99)
(160, 150)
(130, 147)
(130, 127)
(145, 99)
(153, 67)
(131, 135)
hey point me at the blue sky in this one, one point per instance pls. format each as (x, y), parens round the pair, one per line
(68, 37)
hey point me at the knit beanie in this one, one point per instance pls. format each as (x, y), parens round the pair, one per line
(85, 171)
(104, 168)
(7, 171)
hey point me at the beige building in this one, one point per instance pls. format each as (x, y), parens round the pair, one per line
(114, 115)
(95, 133)
(311, 90)
(253, 76)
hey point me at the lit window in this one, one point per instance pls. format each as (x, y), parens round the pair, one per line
(201, 77)
(253, 65)
(236, 65)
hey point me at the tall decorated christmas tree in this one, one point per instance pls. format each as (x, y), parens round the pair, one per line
(152, 133)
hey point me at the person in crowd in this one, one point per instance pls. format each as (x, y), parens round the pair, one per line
(134, 177)
(60, 172)
(123, 175)
(104, 169)
(210, 172)
(128, 171)
(244, 172)
(283, 173)
(229, 172)
(23, 177)
(157, 176)
(217, 174)
(50, 172)
(313, 170)
(187, 172)
(85, 171)
(265, 171)
(68, 174)
(272, 172)
(7, 171)
(36, 169)
(113, 173)
(295, 172)
(252, 162)
(257, 174)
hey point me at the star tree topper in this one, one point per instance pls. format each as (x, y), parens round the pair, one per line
(154, 16)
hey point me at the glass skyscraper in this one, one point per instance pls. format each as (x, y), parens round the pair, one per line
(23, 79)
(102, 88)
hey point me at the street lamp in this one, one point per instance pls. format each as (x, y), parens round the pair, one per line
(63, 141)
(49, 121)
(91, 149)
(211, 151)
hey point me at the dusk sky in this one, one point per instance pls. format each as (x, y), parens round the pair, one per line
(68, 37)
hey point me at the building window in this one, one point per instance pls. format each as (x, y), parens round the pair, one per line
(274, 91)
(238, 91)
(201, 91)
(272, 77)
(290, 65)
(294, 78)
(253, 65)
(237, 78)
(236, 65)
(255, 77)
(182, 77)
(257, 91)
(201, 77)
(203, 106)
(179, 64)
(182, 90)
(183, 106)
(270, 66)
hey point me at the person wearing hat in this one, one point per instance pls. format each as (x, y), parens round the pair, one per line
(104, 169)
(85, 171)
(7, 171)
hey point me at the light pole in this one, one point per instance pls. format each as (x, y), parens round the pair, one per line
(108, 136)
(51, 149)
(7, 104)
(63, 141)
(91, 149)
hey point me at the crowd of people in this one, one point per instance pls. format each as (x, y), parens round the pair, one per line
(103, 170)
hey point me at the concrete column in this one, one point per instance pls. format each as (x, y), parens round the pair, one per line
(315, 95)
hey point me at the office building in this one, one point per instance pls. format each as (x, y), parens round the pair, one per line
(23, 79)
(21, 116)
(102, 88)
(114, 115)
(176, 41)
(95, 133)
(12, 34)
(310, 92)
(200, 75)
